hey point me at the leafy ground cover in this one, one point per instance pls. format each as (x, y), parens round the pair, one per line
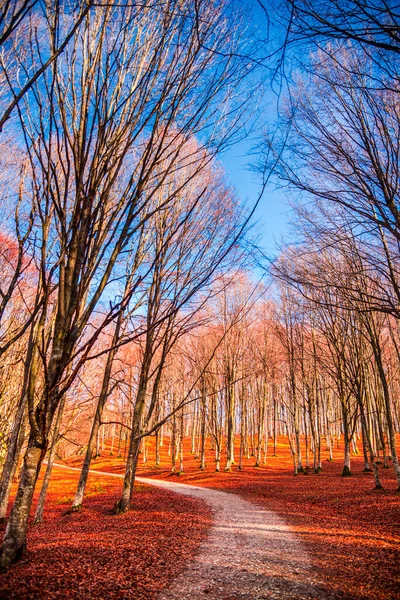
(351, 531)
(97, 555)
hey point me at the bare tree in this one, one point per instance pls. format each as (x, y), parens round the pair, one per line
(20, 22)
(98, 126)
(190, 244)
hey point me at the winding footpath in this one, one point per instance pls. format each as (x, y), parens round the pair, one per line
(249, 553)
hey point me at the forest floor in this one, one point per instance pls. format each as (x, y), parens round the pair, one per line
(95, 555)
(348, 532)
(249, 554)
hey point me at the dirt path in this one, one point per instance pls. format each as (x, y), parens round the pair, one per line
(249, 554)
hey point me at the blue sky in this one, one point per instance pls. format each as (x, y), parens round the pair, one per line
(272, 215)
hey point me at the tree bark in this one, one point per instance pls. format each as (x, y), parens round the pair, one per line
(14, 544)
(80, 492)
(43, 492)
(11, 462)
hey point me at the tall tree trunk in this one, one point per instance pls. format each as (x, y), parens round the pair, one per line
(19, 427)
(306, 440)
(275, 419)
(217, 457)
(203, 433)
(157, 461)
(124, 503)
(11, 462)
(43, 492)
(181, 444)
(230, 427)
(369, 447)
(346, 472)
(389, 416)
(104, 393)
(14, 543)
(173, 445)
(260, 425)
(40, 418)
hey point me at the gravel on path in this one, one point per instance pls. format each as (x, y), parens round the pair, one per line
(249, 554)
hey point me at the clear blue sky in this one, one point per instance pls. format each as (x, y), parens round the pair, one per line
(272, 215)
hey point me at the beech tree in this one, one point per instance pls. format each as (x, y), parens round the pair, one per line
(304, 26)
(340, 150)
(332, 276)
(372, 26)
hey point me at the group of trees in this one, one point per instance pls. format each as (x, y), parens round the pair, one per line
(235, 374)
(341, 152)
(254, 368)
(125, 308)
(114, 213)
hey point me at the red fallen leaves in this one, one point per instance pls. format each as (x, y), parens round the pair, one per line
(97, 555)
(350, 530)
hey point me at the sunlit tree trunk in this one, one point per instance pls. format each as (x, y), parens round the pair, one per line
(230, 419)
(101, 401)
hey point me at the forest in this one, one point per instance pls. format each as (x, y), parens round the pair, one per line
(183, 411)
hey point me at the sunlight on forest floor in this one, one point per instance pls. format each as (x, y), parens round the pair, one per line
(350, 531)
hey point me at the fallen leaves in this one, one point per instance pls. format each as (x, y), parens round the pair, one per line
(350, 530)
(97, 555)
